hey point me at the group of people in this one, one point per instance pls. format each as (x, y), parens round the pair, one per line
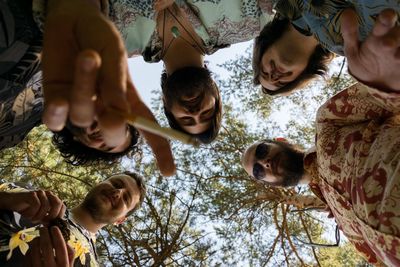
(81, 49)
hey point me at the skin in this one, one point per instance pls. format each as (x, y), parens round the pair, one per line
(38, 206)
(90, 77)
(198, 121)
(285, 60)
(92, 137)
(375, 61)
(181, 54)
(113, 199)
(272, 168)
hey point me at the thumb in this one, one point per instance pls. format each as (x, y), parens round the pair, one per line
(349, 30)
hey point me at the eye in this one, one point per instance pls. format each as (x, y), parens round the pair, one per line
(262, 151)
(118, 184)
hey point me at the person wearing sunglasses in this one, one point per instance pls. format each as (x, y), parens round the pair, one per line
(299, 43)
(355, 165)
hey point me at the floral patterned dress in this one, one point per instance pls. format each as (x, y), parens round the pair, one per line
(356, 169)
(16, 233)
(321, 18)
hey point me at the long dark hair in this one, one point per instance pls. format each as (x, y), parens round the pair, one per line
(77, 154)
(317, 64)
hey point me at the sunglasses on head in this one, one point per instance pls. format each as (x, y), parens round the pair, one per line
(261, 152)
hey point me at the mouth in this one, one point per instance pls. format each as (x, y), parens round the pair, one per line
(96, 136)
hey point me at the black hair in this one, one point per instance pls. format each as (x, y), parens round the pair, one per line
(77, 154)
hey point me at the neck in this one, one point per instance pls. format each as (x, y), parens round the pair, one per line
(175, 59)
(83, 218)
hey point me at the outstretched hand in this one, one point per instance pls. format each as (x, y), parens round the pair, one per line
(376, 60)
(71, 27)
(86, 75)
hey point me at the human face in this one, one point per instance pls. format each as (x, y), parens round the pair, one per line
(110, 201)
(279, 66)
(93, 138)
(273, 162)
(195, 120)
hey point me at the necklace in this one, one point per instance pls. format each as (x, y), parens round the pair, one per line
(177, 34)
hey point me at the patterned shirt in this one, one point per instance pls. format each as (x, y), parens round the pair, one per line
(321, 18)
(356, 169)
(219, 23)
(16, 233)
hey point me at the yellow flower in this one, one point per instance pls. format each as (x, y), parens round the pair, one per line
(79, 248)
(21, 240)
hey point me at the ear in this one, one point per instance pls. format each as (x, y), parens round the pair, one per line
(119, 221)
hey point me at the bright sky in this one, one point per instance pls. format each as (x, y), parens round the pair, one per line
(146, 76)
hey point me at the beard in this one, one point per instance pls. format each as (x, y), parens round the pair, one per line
(292, 165)
(95, 207)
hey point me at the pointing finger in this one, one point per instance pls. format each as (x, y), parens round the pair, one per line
(82, 106)
(160, 146)
(349, 30)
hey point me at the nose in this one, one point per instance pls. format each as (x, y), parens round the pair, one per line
(266, 162)
(93, 128)
(116, 194)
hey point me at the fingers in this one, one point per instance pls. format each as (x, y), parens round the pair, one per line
(46, 248)
(56, 207)
(349, 30)
(386, 20)
(34, 257)
(50, 249)
(59, 51)
(82, 107)
(160, 146)
(113, 76)
(43, 208)
(60, 247)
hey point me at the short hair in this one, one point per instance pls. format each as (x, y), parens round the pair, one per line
(142, 189)
(78, 154)
(186, 81)
(317, 64)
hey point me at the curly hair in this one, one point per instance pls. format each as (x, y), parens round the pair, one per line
(77, 154)
(191, 81)
(317, 64)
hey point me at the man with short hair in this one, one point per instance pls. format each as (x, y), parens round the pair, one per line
(37, 230)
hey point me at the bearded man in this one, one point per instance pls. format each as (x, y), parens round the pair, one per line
(36, 229)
